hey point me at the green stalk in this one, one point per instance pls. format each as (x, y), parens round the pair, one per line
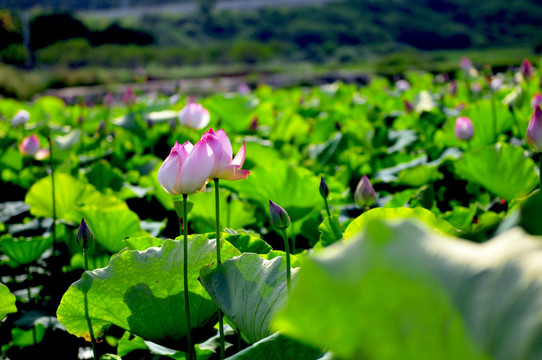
(85, 303)
(29, 293)
(219, 261)
(53, 189)
(185, 279)
(288, 270)
(494, 113)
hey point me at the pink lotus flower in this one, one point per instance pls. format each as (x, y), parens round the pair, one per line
(194, 115)
(534, 130)
(365, 194)
(536, 100)
(225, 167)
(463, 128)
(30, 145)
(187, 168)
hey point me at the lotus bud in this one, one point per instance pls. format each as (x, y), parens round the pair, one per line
(526, 69)
(324, 189)
(534, 131)
(129, 97)
(30, 145)
(279, 216)
(101, 130)
(453, 87)
(536, 100)
(465, 64)
(408, 106)
(463, 129)
(108, 100)
(365, 194)
(21, 117)
(85, 238)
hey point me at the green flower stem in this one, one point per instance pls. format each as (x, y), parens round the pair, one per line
(288, 270)
(53, 190)
(85, 303)
(185, 279)
(327, 208)
(29, 293)
(494, 114)
(219, 261)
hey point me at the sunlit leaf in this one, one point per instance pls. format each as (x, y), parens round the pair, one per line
(248, 289)
(142, 292)
(359, 224)
(7, 302)
(503, 169)
(399, 288)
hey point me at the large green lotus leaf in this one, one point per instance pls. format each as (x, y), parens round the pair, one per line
(292, 187)
(111, 225)
(243, 240)
(277, 346)
(7, 302)
(330, 231)
(401, 287)
(69, 194)
(142, 292)
(24, 250)
(359, 224)
(502, 169)
(235, 214)
(233, 112)
(481, 115)
(248, 289)
(142, 242)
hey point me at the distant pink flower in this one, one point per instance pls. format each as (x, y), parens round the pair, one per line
(365, 194)
(194, 116)
(129, 97)
(526, 69)
(187, 168)
(465, 64)
(108, 100)
(243, 89)
(536, 100)
(225, 167)
(463, 129)
(534, 131)
(30, 145)
(21, 117)
(402, 85)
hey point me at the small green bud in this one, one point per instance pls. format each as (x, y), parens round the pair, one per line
(324, 189)
(279, 216)
(85, 238)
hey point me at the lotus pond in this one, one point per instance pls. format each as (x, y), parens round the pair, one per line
(395, 220)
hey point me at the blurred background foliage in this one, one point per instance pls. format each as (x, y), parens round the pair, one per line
(375, 36)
